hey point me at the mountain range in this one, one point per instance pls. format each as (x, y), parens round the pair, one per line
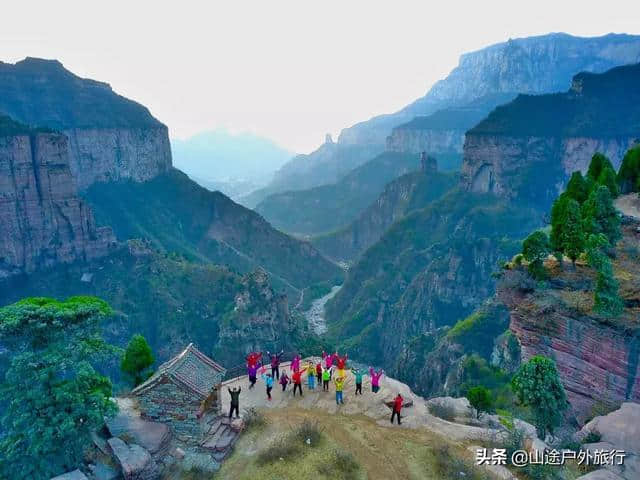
(90, 203)
(437, 123)
(234, 163)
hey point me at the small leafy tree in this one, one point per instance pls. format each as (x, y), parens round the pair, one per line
(137, 359)
(600, 215)
(629, 173)
(54, 397)
(535, 250)
(538, 385)
(480, 399)
(577, 188)
(572, 236)
(598, 163)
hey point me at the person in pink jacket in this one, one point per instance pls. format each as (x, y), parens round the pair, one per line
(375, 379)
(329, 358)
(295, 363)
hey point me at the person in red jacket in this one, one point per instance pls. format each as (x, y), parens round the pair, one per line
(253, 358)
(297, 381)
(319, 373)
(397, 408)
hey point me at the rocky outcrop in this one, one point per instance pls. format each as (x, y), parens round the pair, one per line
(110, 137)
(262, 320)
(618, 430)
(527, 149)
(597, 357)
(534, 65)
(43, 222)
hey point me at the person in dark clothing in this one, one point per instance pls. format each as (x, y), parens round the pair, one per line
(397, 407)
(235, 401)
(275, 364)
(284, 381)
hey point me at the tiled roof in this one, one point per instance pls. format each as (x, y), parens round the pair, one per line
(192, 369)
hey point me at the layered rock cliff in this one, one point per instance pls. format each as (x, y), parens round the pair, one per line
(43, 220)
(597, 357)
(110, 137)
(528, 148)
(534, 65)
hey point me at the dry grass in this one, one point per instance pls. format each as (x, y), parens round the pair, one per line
(353, 447)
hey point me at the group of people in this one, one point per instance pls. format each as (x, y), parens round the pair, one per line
(332, 369)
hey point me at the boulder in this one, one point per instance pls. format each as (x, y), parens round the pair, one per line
(153, 436)
(237, 425)
(75, 475)
(135, 462)
(459, 406)
(100, 471)
(620, 428)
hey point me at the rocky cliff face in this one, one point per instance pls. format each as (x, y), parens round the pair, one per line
(533, 65)
(111, 154)
(110, 137)
(43, 221)
(506, 165)
(430, 269)
(435, 142)
(408, 192)
(597, 358)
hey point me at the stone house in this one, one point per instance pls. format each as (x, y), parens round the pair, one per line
(181, 391)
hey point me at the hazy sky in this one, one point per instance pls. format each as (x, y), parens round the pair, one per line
(290, 70)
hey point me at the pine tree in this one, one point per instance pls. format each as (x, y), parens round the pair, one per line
(598, 163)
(600, 215)
(577, 188)
(558, 211)
(608, 179)
(629, 173)
(137, 359)
(606, 298)
(572, 238)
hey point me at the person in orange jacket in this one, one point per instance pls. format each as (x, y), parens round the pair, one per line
(397, 408)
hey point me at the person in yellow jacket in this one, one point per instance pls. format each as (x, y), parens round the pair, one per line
(339, 381)
(311, 376)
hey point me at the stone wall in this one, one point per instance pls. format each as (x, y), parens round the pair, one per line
(172, 405)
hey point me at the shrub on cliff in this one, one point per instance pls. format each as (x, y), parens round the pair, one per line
(55, 397)
(538, 386)
(137, 359)
(629, 173)
(536, 249)
(480, 400)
